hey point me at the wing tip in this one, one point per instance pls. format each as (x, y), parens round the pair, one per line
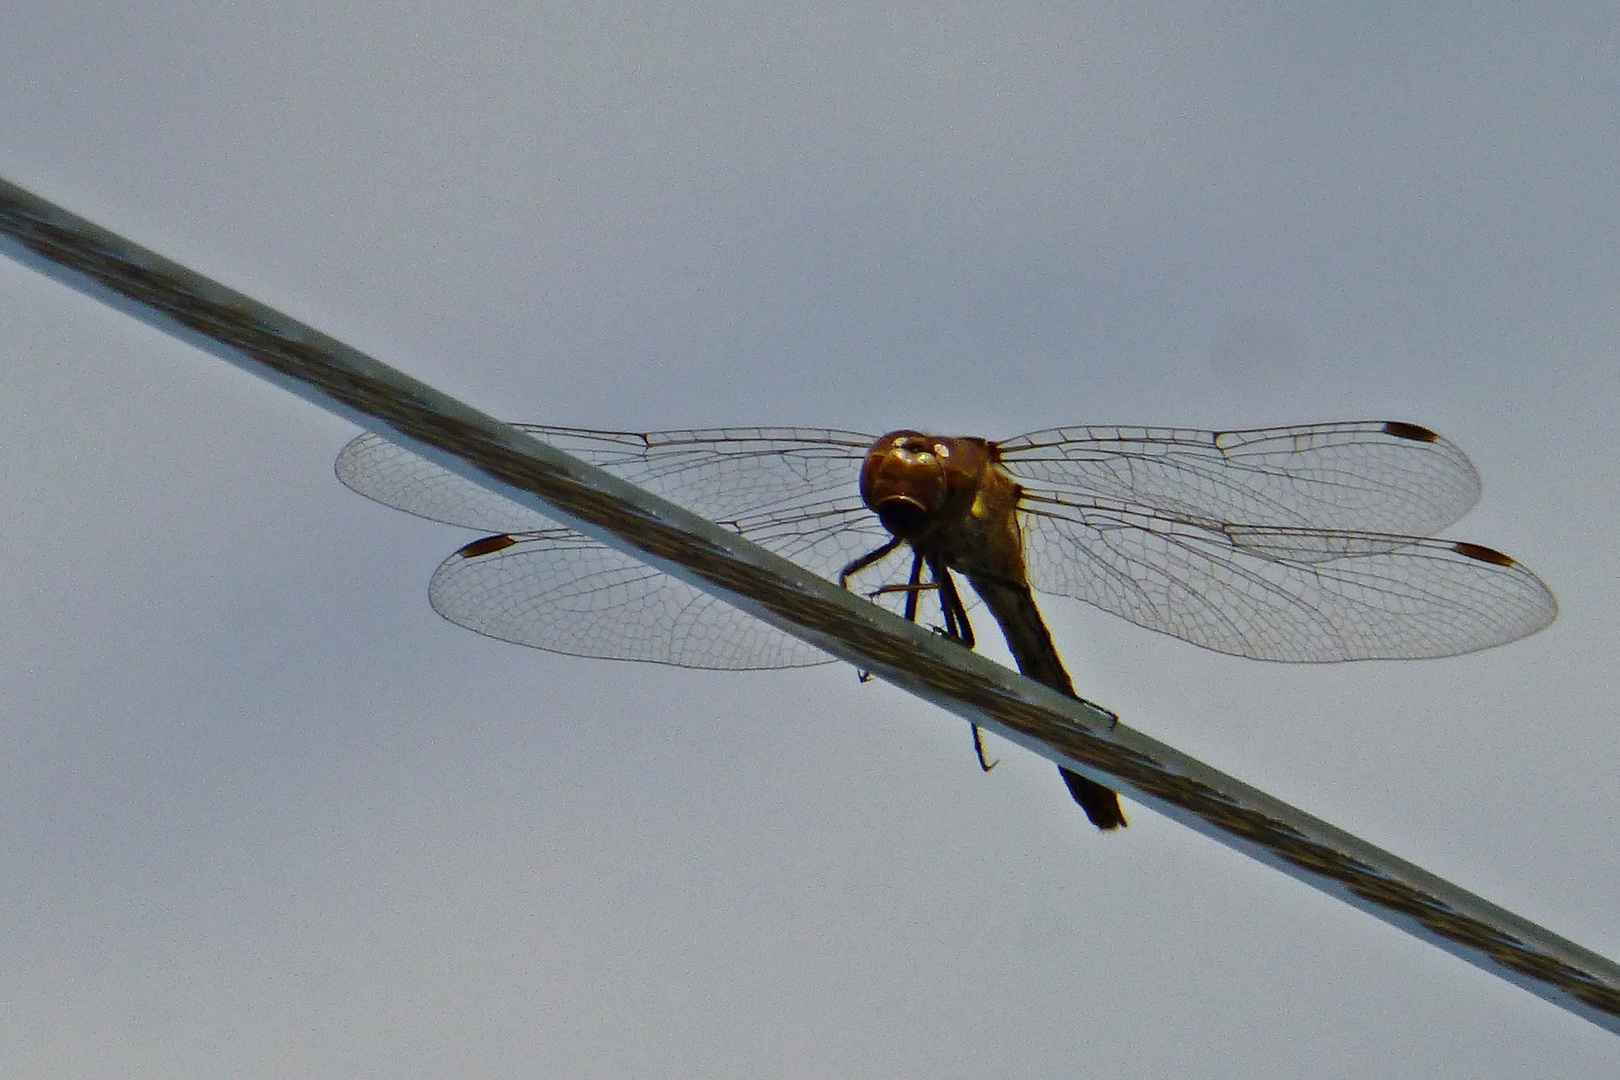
(1400, 429)
(487, 545)
(1481, 553)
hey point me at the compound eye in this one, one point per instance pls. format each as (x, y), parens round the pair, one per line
(916, 446)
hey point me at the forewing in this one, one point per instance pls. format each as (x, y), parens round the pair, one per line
(394, 476)
(1373, 476)
(721, 474)
(724, 474)
(1283, 593)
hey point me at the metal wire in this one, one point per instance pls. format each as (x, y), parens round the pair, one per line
(1075, 734)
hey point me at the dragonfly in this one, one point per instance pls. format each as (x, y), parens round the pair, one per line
(1307, 544)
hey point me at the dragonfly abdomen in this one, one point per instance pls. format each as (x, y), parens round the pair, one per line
(1013, 605)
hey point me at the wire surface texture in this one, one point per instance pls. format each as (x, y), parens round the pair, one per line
(1076, 734)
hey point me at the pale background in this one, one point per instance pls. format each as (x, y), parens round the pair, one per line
(263, 814)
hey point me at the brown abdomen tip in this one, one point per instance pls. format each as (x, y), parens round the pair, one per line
(488, 545)
(1482, 553)
(1415, 432)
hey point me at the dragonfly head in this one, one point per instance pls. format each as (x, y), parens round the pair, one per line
(904, 481)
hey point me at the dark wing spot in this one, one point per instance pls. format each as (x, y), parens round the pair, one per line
(1415, 432)
(488, 545)
(1482, 553)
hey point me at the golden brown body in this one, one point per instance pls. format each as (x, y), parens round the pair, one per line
(948, 500)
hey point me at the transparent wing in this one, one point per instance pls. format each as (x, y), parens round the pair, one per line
(1137, 521)
(721, 474)
(560, 591)
(563, 592)
(1280, 593)
(791, 490)
(396, 477)
(1377, 476)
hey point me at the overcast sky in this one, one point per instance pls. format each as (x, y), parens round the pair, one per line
(262, 813)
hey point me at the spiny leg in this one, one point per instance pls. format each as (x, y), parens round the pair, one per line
(911, 589)
(978, 748)
(957, 628)
(951, 609)
(857, 565)
(914, 586)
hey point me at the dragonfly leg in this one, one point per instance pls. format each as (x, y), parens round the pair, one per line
(911, 589)
(915, 586)
(957, 627)
(857, 565)
(978, 748)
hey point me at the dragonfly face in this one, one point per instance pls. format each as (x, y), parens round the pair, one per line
(947, 498)
(910, 480)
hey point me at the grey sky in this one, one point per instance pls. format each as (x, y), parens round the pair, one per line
(265, 814)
